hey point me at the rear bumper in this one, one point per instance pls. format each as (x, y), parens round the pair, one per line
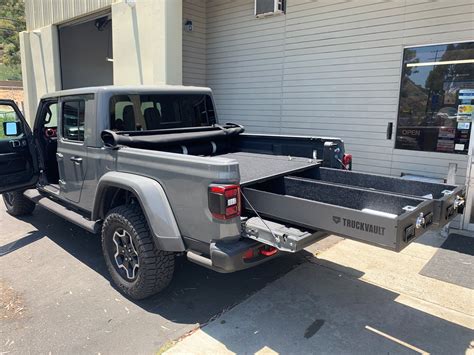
(229, 257)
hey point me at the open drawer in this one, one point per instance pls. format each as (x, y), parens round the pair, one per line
(448, 199)
(388, 220)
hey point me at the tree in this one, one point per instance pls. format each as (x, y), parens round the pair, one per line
(12, 21)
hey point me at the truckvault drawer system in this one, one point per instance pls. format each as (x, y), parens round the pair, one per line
(386, 211)
(446, 197)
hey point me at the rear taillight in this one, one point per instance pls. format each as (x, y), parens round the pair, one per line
(347, 161)
(224, 201)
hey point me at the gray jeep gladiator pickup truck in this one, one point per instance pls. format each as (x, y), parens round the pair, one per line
(151, 170)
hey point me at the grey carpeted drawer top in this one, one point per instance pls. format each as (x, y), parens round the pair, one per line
(256, 167)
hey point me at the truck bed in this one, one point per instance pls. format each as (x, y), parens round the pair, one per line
(256, 167)
(287, 180)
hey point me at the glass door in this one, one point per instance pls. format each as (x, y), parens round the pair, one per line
(436, 98)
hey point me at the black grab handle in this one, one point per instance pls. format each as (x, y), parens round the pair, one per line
(389, 130)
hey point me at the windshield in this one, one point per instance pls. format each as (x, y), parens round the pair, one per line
(160, 111)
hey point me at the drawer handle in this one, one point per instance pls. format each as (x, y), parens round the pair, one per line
(420, 221)
(458, 202)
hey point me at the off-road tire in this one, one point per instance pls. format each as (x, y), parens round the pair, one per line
(17, 204)
(156, 266)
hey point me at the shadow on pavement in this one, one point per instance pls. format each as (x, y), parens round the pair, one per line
(20, 243)
(195, 295)
(322, 310)
(312, 308)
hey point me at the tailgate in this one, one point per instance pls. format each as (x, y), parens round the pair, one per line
(385, 218)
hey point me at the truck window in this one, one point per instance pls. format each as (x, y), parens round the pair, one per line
(51, 116)
(160, 111)
(73, 120)
(150, 104)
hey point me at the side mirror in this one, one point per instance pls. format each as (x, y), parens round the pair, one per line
(11, 129)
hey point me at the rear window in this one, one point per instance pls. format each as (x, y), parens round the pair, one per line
(160, 111)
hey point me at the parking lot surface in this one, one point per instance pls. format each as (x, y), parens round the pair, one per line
(352, 299)
(55, 293)
(338, 296)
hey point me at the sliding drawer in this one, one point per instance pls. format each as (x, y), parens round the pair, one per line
(448, 199)
(388, 220)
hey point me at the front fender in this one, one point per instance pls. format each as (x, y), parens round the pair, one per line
(154, 204)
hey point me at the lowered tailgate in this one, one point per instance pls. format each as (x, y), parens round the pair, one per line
(343, 205)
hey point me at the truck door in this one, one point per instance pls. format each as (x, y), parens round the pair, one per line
(72, 150)
(18, 160)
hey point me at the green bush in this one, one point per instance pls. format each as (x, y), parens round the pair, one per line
(12, 72)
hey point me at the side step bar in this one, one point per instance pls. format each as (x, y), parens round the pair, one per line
(60, 210)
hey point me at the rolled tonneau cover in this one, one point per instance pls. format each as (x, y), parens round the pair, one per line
(155, 139)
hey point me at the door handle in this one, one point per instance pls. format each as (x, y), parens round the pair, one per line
(59, 155)
(15, 143)
(76, 160)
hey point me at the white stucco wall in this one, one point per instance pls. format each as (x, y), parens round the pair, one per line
(147, 45)
(40, 66)
(147, 42)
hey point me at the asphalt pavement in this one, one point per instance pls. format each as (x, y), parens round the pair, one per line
(338, 296)
(352, 298)
(56, 296)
